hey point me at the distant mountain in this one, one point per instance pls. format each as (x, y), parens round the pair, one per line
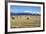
(13, 14)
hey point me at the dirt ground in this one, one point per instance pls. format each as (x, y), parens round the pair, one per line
(25, 21)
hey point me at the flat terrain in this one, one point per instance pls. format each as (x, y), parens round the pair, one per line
(25, 21)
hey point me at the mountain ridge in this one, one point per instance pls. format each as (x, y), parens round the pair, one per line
(23, 14)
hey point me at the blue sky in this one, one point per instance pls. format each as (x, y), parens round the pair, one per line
(25, 9)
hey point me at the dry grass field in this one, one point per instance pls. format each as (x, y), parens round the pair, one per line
(25, 21)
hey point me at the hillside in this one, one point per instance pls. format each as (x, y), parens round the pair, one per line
(14, 14)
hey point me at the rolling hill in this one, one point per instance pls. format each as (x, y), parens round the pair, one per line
(14, 14)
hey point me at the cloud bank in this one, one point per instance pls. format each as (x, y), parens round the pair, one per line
(31, 12)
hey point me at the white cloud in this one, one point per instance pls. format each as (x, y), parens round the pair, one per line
(27, 11)
(31, 12)
(38, 12)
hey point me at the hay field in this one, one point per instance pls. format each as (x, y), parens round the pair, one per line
(25, 21)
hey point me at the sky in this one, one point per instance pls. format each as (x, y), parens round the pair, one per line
(25, 9)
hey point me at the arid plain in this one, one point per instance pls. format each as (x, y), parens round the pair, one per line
(25, 21)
